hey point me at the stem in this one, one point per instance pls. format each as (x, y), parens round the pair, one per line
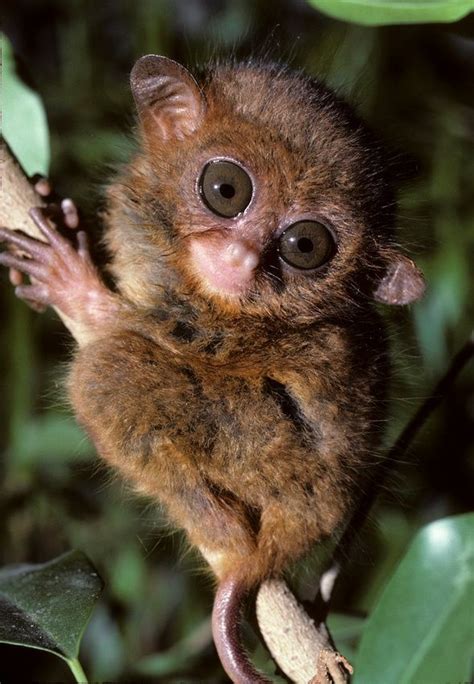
(76, 669)
(459, 361)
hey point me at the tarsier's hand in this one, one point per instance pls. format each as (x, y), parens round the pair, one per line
(66, 211)
(57, 269)
(62, 275)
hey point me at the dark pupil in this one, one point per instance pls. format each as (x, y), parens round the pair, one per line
(227, 190)
(305, 245)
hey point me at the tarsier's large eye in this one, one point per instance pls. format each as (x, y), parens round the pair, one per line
(225, 188)
(306, 245)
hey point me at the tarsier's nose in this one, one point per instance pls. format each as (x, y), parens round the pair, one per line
(242, 256)
(226, 265)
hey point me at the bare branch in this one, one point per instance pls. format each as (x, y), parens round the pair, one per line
(17, 196)
(302, 647)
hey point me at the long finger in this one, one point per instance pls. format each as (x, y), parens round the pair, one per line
(28, 266)
(34, 247)
(39, 217)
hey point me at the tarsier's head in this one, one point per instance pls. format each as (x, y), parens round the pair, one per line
(256, 190)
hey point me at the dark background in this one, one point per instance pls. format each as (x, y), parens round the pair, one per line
(414, 85)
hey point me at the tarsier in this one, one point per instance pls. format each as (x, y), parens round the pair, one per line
(237, 372)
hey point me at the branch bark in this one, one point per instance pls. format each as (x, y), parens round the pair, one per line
(17, 196)
(301, 646)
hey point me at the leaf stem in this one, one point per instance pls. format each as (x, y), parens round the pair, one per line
(76, 669)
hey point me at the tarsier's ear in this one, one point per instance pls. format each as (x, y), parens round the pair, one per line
(168, 98)
(402, 283)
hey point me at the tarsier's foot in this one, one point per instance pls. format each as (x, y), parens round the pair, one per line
(62, 275)
(332, 668)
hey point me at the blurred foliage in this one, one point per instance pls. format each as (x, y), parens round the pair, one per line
(414, 85)
(382, 12)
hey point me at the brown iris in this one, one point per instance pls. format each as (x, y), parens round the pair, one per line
(306, 245)
(225, 188)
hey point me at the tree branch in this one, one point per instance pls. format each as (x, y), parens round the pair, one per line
(17, 195)
(301, 646)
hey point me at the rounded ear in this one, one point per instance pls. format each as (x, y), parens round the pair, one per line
(403, 282)
(169, 101)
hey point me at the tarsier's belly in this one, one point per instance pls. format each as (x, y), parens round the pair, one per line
(247, 460)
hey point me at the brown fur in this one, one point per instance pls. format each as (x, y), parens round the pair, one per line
(254, 421)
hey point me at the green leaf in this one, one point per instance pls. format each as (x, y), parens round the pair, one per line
(422, 630)
(24, 124)
(382, 12)
(48, 606)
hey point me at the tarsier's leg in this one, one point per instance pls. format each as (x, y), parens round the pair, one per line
(62, 275)
(146, 441)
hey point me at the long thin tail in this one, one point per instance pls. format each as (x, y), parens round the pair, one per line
(226, 623)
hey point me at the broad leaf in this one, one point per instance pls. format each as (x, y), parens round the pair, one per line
(381, 12)
(422, 629)
(48, 606)
(24, 124)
